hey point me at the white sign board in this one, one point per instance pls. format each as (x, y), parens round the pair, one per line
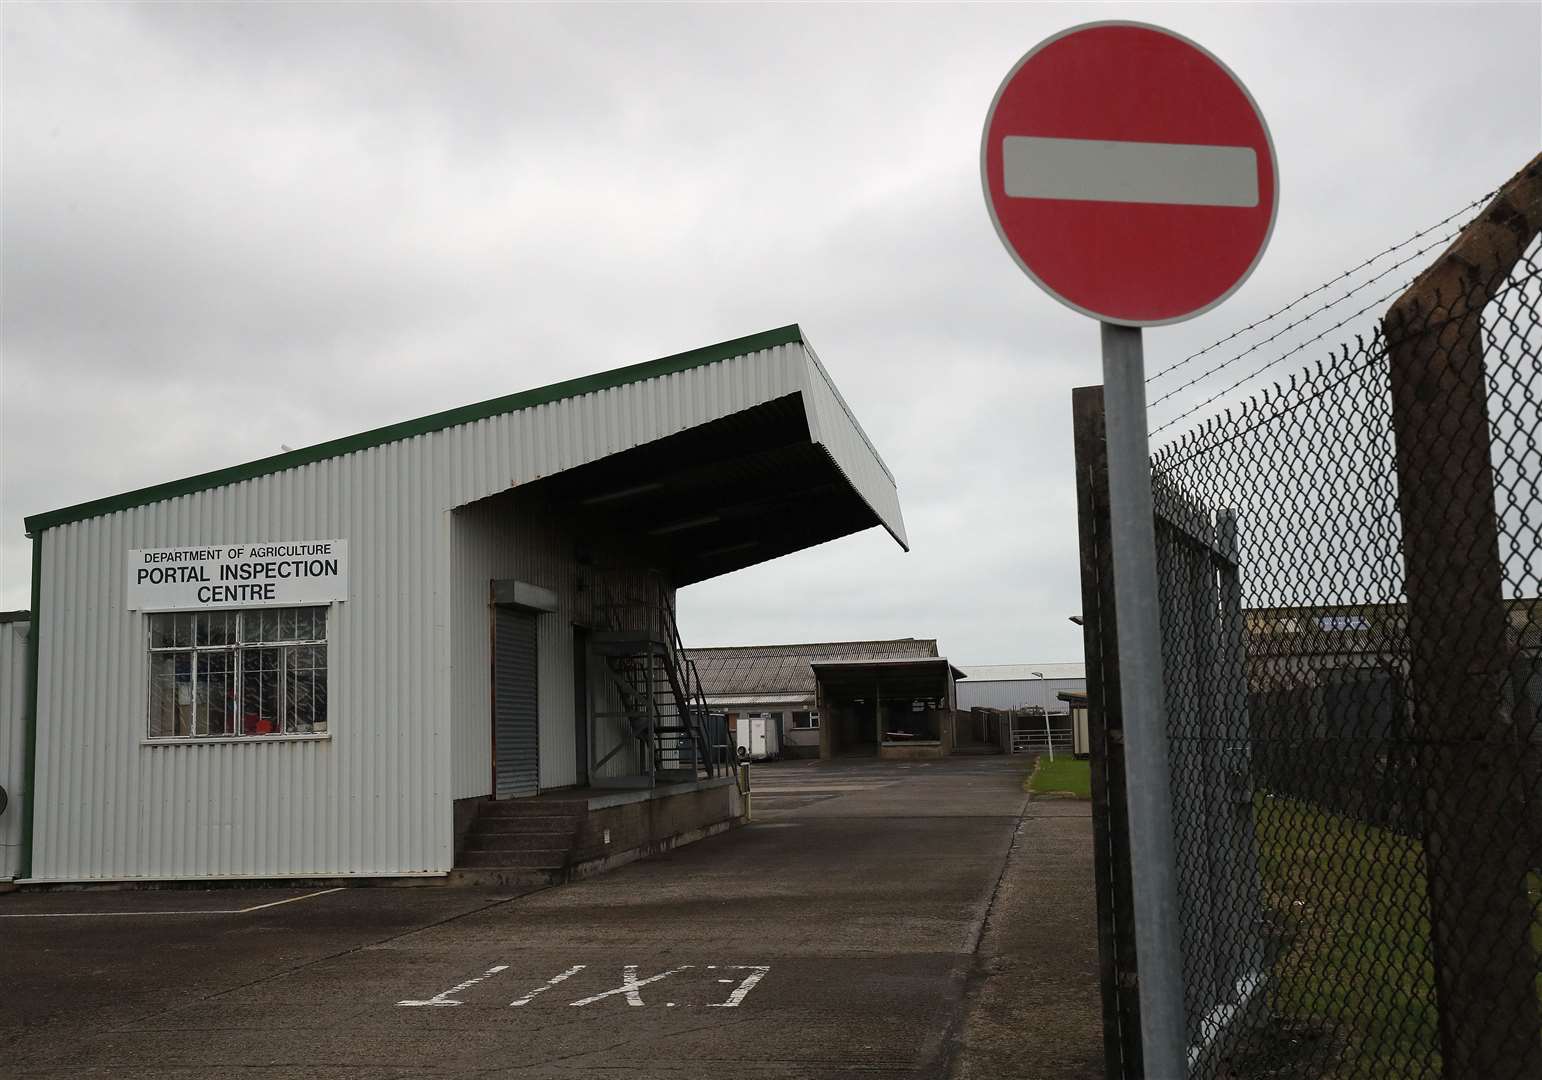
(279, 574)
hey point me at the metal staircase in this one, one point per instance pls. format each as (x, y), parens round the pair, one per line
(663, 705)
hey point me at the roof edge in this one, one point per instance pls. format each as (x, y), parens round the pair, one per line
(810, 644)
(423, 425)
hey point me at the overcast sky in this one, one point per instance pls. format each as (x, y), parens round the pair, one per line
(229, 228)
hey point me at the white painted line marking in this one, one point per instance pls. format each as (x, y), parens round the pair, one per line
(137, 914)
(757, 972)
(110, 914)
(291, 900)
(553, 981)
(630, 984)
(1098, 170)
(443, 998)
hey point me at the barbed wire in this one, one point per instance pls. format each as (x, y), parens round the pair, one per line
(1479, 201)
(1308, 317)
(1213, 398)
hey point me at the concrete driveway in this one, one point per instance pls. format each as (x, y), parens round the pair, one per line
(838, 935)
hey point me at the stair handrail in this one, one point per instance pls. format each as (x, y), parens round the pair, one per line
(656, 608)
(696, 697)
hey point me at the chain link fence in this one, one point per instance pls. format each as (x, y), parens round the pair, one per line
(1350, 568)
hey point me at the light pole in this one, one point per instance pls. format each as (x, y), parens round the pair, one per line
(1044, 711)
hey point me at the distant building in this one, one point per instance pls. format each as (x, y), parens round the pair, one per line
(1021, 686)
(892, 698)
(1032, 694)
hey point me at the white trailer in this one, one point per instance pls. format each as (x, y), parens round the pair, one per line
(759, 735)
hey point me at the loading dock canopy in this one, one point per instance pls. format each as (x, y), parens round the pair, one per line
(706, 461)
(718, 497)
(918, 679)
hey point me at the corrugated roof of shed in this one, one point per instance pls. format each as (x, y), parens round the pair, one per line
(772, 669)
(439, 421)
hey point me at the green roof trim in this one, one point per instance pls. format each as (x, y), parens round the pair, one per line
(423, 425)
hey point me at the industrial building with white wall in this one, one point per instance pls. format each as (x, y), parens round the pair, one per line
(1037, 699)
(1020, 686)
(13, 761)
(891, 698)
(311, 664)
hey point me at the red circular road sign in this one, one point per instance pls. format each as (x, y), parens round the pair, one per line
(1129, 173)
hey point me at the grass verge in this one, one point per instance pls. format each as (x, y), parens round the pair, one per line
(1350, 902)
(1063, 776)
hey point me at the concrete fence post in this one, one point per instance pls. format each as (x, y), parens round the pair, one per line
(1473, 762)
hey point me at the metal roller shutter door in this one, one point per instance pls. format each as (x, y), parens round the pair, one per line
(516, 724)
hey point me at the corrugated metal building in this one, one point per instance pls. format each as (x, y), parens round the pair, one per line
(324, 720)
(1019, 686)
(13, 716)
(890, 698)
(777, 681)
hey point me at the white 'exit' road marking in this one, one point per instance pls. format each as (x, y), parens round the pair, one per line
(631, 985)
(444, 997)
(757, 972)
(547, 985)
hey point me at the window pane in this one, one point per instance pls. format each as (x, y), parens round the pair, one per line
(161, 635)
(170, 694)
(261, 679)
(307, 686)
(171, 630)
(289, 624)
(232, 673)
(216, 628)
(216, 691)
(259, 625)
(313, 624)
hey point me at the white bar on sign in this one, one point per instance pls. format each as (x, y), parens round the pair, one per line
(1098, 170)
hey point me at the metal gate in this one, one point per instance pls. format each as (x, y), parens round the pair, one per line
(516, 720)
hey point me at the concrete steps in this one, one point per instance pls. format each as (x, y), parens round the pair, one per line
(537, 807)
(519, 841)
(516, 826)
(541, 859)
(522, 836)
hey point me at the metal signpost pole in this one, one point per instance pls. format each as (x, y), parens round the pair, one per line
(1153, 864)
(1131, 175)
(1049, 740)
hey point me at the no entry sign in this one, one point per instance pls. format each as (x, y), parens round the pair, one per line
(1129, 173)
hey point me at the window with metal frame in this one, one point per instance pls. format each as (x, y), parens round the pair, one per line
(237, 674)
(805, 721)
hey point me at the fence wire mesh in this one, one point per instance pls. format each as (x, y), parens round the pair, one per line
(1350, 569)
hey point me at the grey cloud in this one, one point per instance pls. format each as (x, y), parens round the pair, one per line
(233, 226)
